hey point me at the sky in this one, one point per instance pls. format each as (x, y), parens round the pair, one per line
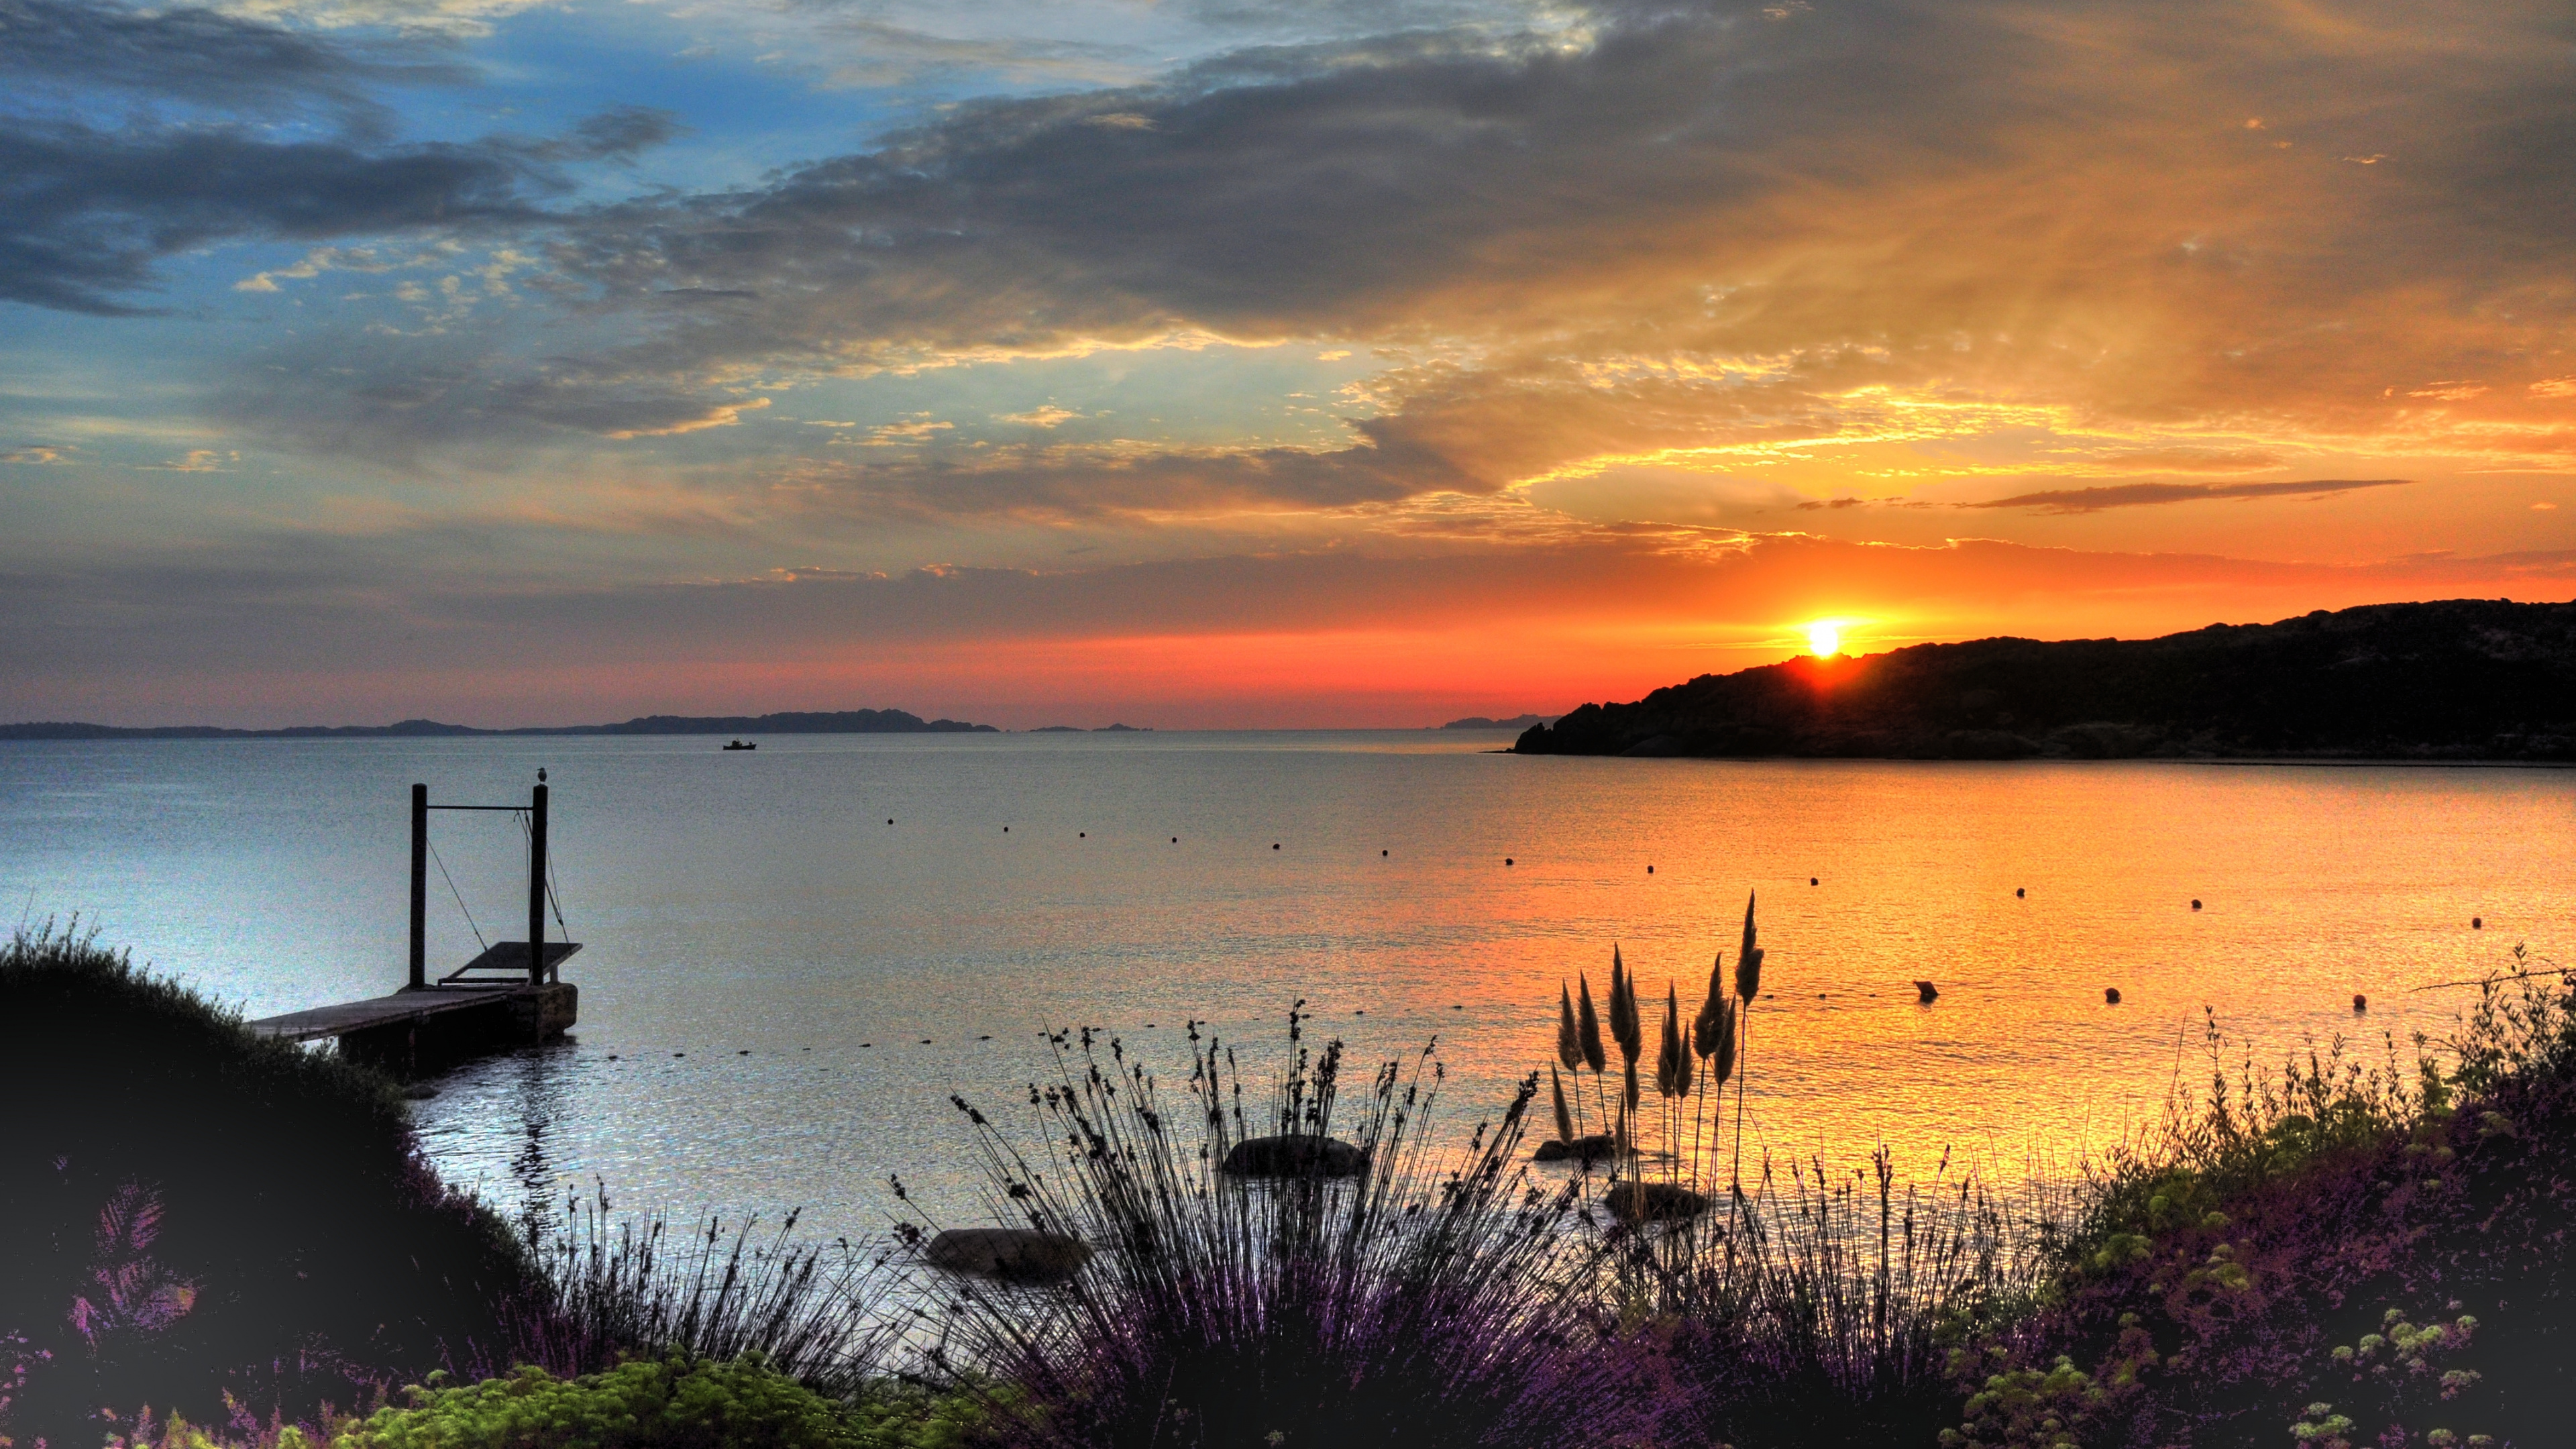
(1237, 363)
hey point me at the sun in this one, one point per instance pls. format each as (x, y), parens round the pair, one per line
(1825, 638)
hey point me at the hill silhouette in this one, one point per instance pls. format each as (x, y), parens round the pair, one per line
(825, 722)
(2463, 679)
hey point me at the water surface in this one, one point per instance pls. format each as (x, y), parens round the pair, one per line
(765, 954)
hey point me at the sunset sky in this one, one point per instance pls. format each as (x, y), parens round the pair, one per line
(1230, 362)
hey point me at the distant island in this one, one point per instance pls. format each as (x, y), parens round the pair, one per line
(1107, 729)
(2464, 679)
(829, 722)
(1516, 722)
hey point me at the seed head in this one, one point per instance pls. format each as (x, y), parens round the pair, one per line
(1569, 1040)
(1588, 1029)
(1672, 1055)
(1704, 1026)
(1564, 1119)
(1748, 961)
(1625, 1028)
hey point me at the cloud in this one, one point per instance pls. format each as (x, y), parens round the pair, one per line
(304, 624)
(2135, 495)
(1045, 417)
(199, 460)
(199, 156)
(199, 57)
(893, 54)
(38, 454)
(1699, 226)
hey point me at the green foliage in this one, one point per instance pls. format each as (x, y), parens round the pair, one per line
(2026, 1408)
(674, 1403)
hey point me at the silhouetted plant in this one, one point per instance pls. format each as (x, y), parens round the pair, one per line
(816, 1312)
(1430, 1301)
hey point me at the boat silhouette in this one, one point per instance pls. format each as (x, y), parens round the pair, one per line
(739, 745)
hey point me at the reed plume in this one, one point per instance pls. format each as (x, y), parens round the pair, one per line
(1564, 1119)
(1672, 1053)
(1569, 1041)
(1587, 1036)
(1748, 960)
(1569, 1047)
(1624, 1026)
(1588, 1031)
(1672, 1074)
(1748, 984)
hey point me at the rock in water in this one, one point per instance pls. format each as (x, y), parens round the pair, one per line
(1655, 1202)
(1022, 1254)
(1926, 991)
(1295, 1155)
(1588, 1149)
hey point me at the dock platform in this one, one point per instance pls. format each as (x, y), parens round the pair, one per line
(400, 1008)
(510, 995)
(425, 1029)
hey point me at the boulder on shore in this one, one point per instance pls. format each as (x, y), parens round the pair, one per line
(1587, 1149)
(1655, 1202)
(1025, 1255)
(1295, 1154)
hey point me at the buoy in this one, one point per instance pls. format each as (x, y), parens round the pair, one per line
(2020, 894)
(1082, 835)
(1650, 870)
(925, 1041)
(1457, 1008)
(867, 1044)
(2477, 923)
(679, 1054)
(889, 820)
(1811, 880)
(612, 1056)
(2111, 994)
(1176, 840)
(746, 1051)
(1924, 991)
(1507, 860)
(983, 1038)
(2195, 903)
(1274, 845)
(2360, 1002)
(1006, 830)
(1149, 1026)
(1381, 852)
(1363, 1011)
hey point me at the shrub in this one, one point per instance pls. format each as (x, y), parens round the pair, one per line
(1429, 1302)
(199, 1212)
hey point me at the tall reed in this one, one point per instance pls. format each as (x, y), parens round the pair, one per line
(1432, 1300)
(615, 1287)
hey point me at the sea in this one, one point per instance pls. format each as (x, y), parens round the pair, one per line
(795, 961)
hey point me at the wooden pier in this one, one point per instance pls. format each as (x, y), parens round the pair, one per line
(511, 995)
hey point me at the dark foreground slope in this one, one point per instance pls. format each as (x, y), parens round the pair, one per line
(188, 1212)
(2464, 679)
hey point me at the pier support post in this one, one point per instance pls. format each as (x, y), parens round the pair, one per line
(537, 888)
(419, 887)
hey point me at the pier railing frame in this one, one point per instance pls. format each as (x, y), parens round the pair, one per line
(536, 813)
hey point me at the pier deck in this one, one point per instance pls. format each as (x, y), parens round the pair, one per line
(399, 1008)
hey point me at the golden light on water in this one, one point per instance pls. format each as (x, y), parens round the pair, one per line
(1825, 638)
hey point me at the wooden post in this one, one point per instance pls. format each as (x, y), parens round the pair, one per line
(419, 886)
(537, 889)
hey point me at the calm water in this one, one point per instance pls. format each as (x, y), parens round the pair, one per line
(758, 913)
